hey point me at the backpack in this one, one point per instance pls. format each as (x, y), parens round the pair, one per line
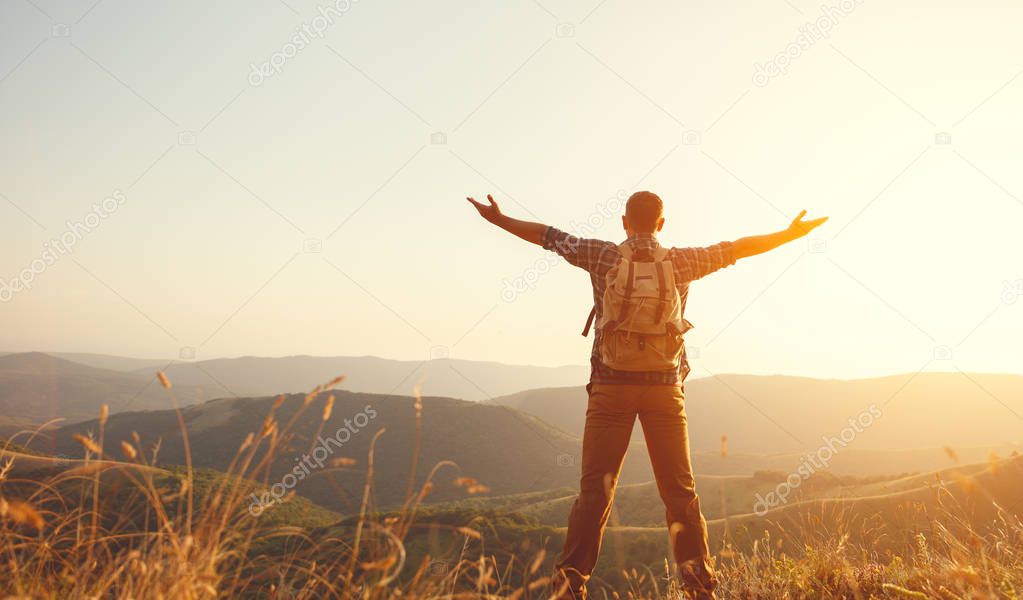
(641, 325)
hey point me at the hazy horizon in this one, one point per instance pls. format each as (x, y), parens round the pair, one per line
(178, 360)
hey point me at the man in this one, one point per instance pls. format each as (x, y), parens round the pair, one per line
(638, 365)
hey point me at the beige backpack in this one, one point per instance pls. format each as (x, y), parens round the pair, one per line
(641, 325)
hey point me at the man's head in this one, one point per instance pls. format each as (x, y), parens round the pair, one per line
(644, 213)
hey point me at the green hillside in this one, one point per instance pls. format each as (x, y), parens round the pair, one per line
(505, 450)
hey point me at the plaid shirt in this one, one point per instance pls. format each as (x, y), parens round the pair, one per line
(597, 257)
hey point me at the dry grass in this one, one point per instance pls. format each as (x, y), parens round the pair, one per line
(955, 563)
(108, 528)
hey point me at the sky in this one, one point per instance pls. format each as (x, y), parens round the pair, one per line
(276, 177)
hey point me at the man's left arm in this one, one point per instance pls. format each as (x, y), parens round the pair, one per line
(694, 263)
(758, 244)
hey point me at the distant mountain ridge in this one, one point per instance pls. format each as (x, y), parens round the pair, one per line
(453, 378)
(778, 414)
(267, 375)
(113, 363)
(102, 361)
(36, 388)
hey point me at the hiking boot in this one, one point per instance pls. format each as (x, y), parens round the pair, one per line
(698, 580)
(562, 586)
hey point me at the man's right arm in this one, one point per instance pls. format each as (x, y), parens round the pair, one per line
(529, 231)
(582, 252)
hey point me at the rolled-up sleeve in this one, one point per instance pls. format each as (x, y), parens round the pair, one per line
(694, 263)
(581, 252)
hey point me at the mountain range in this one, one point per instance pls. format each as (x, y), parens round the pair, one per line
(741, 414)
(36, 388)
(781, 414)
(266, 376)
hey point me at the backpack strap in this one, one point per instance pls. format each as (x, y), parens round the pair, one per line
(630, 282)
(589, 321)
(662, 286)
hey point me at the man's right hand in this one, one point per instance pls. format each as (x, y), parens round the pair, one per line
(798, 228)
(491, 212)
(531, 232)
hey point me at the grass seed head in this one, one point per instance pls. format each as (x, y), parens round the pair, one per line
(128, 450)
(88, 444)
(21, 513)
(328, 407)
(469, 532)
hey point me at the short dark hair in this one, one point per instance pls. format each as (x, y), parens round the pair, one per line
(643, 210)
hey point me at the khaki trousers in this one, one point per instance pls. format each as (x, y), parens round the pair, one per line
(610, 417)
